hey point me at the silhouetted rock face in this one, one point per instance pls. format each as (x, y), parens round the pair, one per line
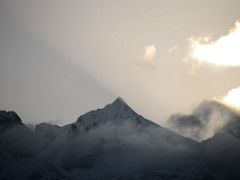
(9, 119)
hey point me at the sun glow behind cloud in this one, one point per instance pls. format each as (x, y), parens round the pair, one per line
(233, 98)
(149, 54)
(225, 51)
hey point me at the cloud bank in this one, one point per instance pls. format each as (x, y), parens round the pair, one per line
(225, 51)
(233, 98)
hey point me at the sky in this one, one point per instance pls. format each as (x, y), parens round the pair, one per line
(60, 59)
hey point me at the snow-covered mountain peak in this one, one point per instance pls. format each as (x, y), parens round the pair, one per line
(120, 101)
(117, 112)
(118, 109)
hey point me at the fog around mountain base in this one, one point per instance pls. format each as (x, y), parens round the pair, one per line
(206, 120)
(115, 143)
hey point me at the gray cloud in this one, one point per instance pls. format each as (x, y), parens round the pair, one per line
(206, 120)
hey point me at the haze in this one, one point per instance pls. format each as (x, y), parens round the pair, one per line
(59, 59)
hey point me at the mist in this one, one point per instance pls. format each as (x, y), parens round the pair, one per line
(207, 119)
(98, 153)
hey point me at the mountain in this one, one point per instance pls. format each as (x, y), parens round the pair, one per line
(116, 113)
(222, 155)
(9, 119)
(115, 142)
(118, 117)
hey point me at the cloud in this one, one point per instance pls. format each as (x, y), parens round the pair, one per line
(173, 49)
(233, 98)
(149, 54)
(206, 120)
(225, 51)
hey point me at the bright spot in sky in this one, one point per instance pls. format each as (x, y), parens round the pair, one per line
(149, 54)
(224, 51)
(233, 98)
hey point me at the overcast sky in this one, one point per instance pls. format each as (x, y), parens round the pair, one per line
(59, 59)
